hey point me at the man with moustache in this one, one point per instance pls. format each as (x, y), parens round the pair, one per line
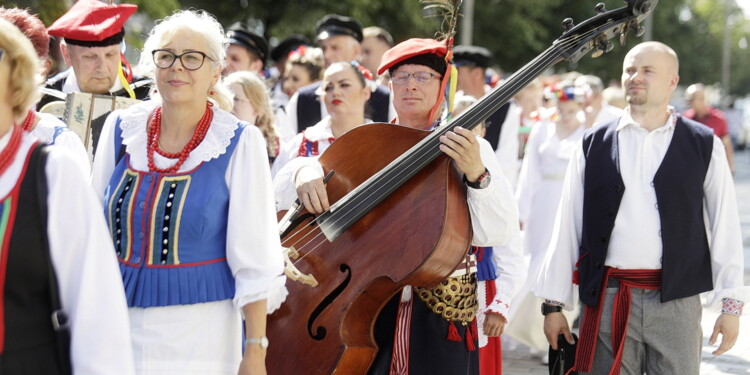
(93, 32)
(631, 233)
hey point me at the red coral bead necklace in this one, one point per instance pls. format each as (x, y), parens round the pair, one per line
(154, 130)
(9, 152)
(29, 121)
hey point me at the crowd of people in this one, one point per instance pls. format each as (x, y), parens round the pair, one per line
(160, 252)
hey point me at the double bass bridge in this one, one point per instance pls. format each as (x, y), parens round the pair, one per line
(292, 272)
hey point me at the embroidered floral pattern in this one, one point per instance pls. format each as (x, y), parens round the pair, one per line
(731, 306)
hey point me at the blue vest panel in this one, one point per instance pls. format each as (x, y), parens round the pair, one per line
(169, 231)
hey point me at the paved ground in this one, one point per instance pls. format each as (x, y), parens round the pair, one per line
(737, 360)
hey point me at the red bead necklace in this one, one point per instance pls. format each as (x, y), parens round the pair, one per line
(154, 130)
(9, 152)
(29, 121)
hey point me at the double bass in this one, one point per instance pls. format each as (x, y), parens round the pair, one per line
(398, 217)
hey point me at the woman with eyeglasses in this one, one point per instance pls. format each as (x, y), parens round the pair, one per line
(253, 105)
(414, 334)
(345, 91)
(187, 193)
(62, 306)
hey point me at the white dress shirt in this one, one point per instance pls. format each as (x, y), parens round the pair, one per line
(635, 242)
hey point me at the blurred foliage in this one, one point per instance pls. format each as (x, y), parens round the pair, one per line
(515, 30)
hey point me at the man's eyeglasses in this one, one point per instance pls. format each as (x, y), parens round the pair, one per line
(422, 78)
(191, 60)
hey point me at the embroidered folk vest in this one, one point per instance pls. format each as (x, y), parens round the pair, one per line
(169, 231)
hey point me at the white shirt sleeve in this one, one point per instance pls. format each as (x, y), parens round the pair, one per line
(254, 249)
(90, 284)
(494, 213)
(556, 276)
(285, 190)
(724, 231)
(69, 140)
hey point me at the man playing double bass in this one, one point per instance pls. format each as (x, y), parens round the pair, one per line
(408, 332)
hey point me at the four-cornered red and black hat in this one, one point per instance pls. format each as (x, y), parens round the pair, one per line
(333, 24)
(472, 56)
(92, 23)
(240, 34)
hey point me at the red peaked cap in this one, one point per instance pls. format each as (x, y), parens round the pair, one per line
(92, 21)
(410, 48)
(415, 47)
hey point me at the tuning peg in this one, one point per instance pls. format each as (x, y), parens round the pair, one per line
(637, 29)
(597, 52)
(607, 46)
(623, 34)
(599, 8)
(567, 24)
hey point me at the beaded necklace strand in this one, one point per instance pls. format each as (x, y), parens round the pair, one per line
(29, 121)
(9, 152)
(154, 130)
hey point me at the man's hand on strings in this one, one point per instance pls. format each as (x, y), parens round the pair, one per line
(311, 190)
(462, 146)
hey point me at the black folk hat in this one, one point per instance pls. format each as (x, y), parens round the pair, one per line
(242, 35)
(334, 24)
(472, 56)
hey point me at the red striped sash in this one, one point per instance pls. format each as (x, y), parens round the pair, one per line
(641, 279)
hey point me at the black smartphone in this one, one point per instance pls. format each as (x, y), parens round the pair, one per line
(561, 360)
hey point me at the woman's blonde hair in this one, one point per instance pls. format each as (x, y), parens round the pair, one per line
(257, 93)
(201, 23)
(23, 77)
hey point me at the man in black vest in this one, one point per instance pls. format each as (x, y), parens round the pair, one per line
(339, 37)
(631, 233)
(93, 32)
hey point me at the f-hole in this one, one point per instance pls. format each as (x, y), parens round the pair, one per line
(320, 332)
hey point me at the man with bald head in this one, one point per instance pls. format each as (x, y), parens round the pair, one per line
(695, 96)
(630, 231)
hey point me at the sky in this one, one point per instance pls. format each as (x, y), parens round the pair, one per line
(745, 5)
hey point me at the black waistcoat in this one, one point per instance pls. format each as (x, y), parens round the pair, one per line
(308, 106)
(686, 261)
(495, 125)
(30, 341)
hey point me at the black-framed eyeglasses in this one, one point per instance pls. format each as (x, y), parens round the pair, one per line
(191, 60)
(422, 78)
